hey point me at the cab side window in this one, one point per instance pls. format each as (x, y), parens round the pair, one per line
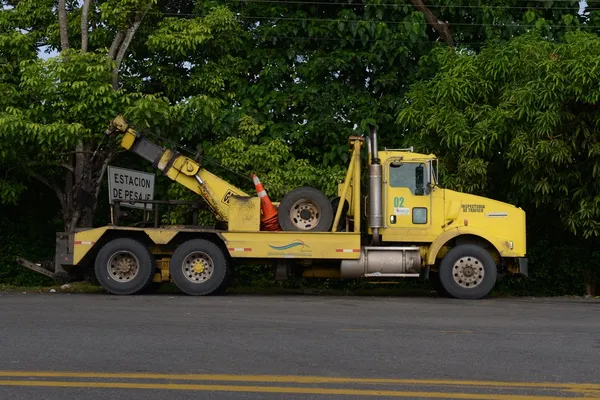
(409, 175)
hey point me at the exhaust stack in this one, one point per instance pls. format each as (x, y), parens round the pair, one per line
(375, 217)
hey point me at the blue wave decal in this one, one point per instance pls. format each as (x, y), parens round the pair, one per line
(295, 243)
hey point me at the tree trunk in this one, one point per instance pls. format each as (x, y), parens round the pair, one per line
(82, 183)
(85, 170)
(114, 47)
(123, 49)
(85, 10)
(62, 23)
(440, 27)
(81, 197)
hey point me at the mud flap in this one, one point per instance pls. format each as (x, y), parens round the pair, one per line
(523, 266)
(62, 255)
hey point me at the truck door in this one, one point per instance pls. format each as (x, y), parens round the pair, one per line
(408, 198)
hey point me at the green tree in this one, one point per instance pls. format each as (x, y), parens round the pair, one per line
(522, 116)
(308, 72)
(319, 69)
(284, 83)
(53, 118)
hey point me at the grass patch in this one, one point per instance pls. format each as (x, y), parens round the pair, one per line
(75, 287)
(171, 289)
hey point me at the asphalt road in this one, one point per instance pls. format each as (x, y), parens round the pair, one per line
(58, 346)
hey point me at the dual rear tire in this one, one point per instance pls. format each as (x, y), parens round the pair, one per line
(198, 267)
(124, 266)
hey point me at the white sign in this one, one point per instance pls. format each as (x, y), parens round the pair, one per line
(130, 185)
(401, 211)
(497, 214)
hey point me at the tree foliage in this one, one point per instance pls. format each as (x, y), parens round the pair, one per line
(52, 123)
(503, 90)
(320, 69)
(531, 107)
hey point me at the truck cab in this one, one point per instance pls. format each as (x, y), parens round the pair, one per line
(418, 210)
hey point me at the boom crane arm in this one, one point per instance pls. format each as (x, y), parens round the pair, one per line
(183, 170)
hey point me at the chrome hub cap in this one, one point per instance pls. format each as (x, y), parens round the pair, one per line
(468, 272)
(123, 266)
(197, 267)
(305, 214)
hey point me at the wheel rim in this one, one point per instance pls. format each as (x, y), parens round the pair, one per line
(468, 272)
(197, 267)
(123, 266)
(305, 214)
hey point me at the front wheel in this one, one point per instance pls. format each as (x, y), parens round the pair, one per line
(468, 272)
(199, 268)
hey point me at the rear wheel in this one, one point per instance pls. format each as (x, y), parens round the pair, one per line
(305, 209)
(468, 272)
(199, 267)
(124, 266)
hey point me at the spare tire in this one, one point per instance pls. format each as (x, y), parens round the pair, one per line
(305, 209)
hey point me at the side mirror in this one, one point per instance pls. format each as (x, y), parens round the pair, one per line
(420, 180)
(434, 173)
(420, 176)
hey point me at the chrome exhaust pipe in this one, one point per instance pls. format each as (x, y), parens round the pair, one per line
(375, 218)
(375, 151)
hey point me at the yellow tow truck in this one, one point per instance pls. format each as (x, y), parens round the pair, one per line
(406, 226)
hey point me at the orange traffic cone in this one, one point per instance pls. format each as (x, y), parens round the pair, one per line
(270, 217)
